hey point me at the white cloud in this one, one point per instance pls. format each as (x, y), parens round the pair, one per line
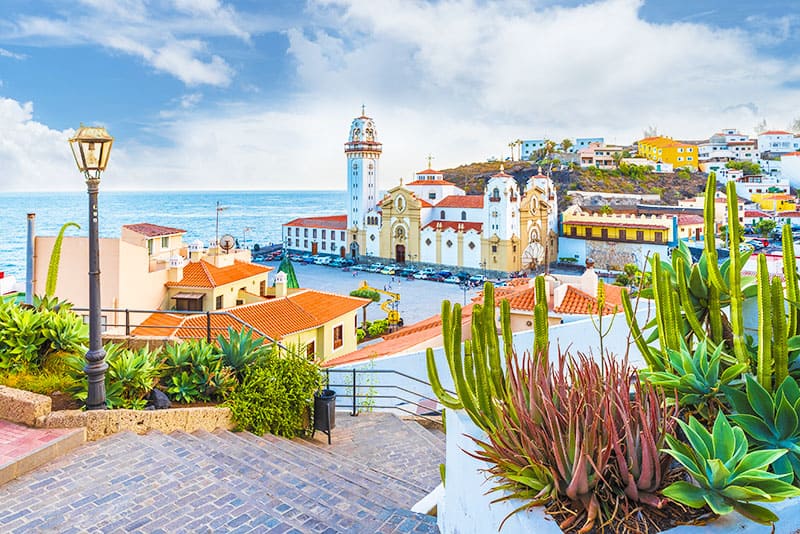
(457, 78)
(33, 157)
(169, 40)
(10, 54)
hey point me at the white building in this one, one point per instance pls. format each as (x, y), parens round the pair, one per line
(747, 185)
(778, 142)
(790, 165)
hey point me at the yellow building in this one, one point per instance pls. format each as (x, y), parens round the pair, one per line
(667, 150)
(658, 229)
(321, 325)
(778, 202)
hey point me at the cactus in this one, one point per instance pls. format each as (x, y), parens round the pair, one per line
(780, 348)
(764, 362)
(477, 371)
(735, 277)
(710, 230)
(598, 325)
(541, 331)
(790, 275)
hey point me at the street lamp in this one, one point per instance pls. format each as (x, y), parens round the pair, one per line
(91, 147)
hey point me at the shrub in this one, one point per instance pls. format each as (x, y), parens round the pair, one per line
(130, 377)
(275, 394)
(43, 383)
(366, 294)
(378, 328)
(360, 334)
(195, 371)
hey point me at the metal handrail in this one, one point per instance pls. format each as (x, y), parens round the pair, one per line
(356, 406)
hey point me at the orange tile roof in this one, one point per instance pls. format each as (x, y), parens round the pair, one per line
(459, 226)
(206, 275)
(576, 302)
(775, 132)
(689, 219)
(429, 171)
(153, 230)
(275, 318)
(631, 224)
(334, 222)
(792, 154)
(403, 339)
(461, 201)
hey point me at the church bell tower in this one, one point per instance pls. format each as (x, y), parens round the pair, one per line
(363, 153)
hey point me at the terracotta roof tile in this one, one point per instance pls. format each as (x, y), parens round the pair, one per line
(459, 226)
(429, 171)
(334, 222)
(276, 318)
(689, 219)
(756, 213)
(775, 132)
(461, 201)
(631, 224)
(153, 230)
(576, 302)
(430, 182)
(207, 275)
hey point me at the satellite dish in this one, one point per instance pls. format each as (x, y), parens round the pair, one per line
(227, 242)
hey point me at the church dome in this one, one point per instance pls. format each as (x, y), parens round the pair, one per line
(362, 130)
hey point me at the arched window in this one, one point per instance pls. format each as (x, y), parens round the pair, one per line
(495, 195)
(441, 215)
(463, 215)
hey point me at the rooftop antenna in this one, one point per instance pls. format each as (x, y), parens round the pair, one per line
(216, 236)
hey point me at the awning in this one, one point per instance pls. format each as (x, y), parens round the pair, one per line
(189, 296)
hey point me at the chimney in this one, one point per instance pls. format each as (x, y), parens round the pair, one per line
(589, 279)
(175, 271)
(280, 285)
(195, 251)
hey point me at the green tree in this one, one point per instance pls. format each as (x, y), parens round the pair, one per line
(748, 167)
(549, 147)
(606, 209)
(765, 227)
(566, 144)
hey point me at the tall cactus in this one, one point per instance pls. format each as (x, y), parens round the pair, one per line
(780, 348)
(735, 277)
(710, 230)
(790, 275)
(541, 330)
(764, 363)
(477, 370)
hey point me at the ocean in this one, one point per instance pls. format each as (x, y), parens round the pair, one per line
(262, 212)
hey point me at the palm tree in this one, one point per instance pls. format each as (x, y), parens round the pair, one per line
(518, 142)
(511, 145)
(566, 144)
(549, 147)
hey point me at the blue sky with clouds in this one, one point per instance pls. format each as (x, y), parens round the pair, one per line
(204, 94)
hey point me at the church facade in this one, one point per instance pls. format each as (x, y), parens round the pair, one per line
(431, 220)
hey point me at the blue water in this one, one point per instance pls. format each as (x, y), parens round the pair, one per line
(193, 211)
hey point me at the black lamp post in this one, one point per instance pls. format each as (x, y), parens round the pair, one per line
(91, 147)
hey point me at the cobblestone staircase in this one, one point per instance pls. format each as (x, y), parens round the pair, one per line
(377, 469)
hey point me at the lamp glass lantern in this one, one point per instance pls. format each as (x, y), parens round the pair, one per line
(91, 147)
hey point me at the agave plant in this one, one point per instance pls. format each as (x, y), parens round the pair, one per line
(65, 331)
(183, 388)
(21, 338)
(696, 379)
(771, 421)
(727, 477)
(241, 349)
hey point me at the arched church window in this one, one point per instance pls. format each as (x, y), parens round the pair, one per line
(495, 195)
(441, 215)
(463, 215)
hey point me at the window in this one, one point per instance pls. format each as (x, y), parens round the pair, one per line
(165, 242)
(150, 247)
(218, 303)
(639, 235)
(193, 304)
(442, 215)
(659, 237)
(311, 352)
(463, 215)
(428, 241)
(337, 337)
(323, 245)
(341, 238)
(314, 233)
(262, 288)
(297, 232)
(604, 233)
(239, 302)
(471, 245)
(449, 243)
(587, 232)
(305, 232)
(495, 195)
(622, 233)
(431, 196)
(494, 248)
(323, 234)
(305, 243)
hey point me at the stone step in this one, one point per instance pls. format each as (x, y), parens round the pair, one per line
(394, 492)
(23, 449)
(436, 441)
(405, 521)
(329, 495)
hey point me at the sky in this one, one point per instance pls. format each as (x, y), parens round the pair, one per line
(253, 94)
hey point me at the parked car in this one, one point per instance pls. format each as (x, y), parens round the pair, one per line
(407, 271)
(359, 267)
(422, 275)
(388, 270)
(452, 279)
(477, 279)
(337, 262)
(462, 275)
(375, 268)
(444, 274)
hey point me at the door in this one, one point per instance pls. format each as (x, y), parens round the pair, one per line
(314, 248)
(400, 253)
(342, 252)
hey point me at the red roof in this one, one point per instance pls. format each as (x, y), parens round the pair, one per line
(461, 201)
(751, 142)
(334, 222)
(424, 203)
(790, 214)
(153, 230)
(431, 182)
(775, 132)
(501, 174)
(756, 213)
(576, 302)
(459, 226)
(690, 219)
(275, 318)
(206, 275)
(429, 171)
(792, 154)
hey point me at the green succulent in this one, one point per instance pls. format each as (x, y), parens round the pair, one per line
(183, 388)
(241, 350)
(696, 378)
(727, 477)
(771, 421)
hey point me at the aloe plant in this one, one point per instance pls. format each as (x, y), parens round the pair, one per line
(726, 476)
(241, 349)
(771, 421)
(696, 379)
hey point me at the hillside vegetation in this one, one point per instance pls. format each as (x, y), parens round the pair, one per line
(628, 179)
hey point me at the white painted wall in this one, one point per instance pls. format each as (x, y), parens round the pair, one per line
(427, 252)
(450, 254)
(472, 257)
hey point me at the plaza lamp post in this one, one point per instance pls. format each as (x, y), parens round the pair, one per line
(91, 147)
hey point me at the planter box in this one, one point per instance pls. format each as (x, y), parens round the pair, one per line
(465, 509)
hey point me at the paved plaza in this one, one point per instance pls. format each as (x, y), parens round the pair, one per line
(419, 299)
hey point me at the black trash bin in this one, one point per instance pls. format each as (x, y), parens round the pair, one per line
(325, 412)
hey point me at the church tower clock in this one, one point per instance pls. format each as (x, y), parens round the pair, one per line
(363, 152)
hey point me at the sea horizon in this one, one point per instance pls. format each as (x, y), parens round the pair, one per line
(251, 216)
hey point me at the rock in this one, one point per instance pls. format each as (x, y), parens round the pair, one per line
(158, 399)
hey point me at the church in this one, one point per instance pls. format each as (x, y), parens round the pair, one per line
(431, 220)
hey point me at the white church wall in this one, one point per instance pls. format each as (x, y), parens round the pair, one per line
(472, 256)
(449, 253)
(427, 251)
(454, 214)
